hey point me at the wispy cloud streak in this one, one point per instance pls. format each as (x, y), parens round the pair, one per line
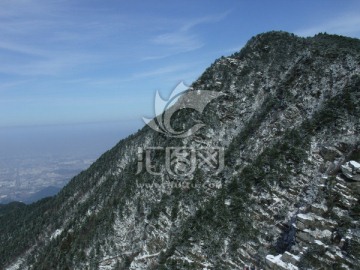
(184, 39)
(345, 25)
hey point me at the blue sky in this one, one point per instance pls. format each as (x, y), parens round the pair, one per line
(77, 61)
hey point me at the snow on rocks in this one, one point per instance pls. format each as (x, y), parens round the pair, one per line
(351, 170)
(56, 234)
(312, 220)
(318, 209)
(310, 236)
(276, 262)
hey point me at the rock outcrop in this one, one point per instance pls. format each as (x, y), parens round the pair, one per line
(351, 170)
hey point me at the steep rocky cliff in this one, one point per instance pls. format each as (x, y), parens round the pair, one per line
(287, 121)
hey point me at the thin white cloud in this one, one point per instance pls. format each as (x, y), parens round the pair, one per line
(41, 37)
(23, 49)
(183, 39)
(54, 65)
(204, 20)
(175, 39)
(11, 8)
(344, 25)
(9, 85)
(174, 71)
(160, 71)
(178, 42)
(173, 52)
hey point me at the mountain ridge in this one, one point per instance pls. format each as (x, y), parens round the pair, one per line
(287, 98)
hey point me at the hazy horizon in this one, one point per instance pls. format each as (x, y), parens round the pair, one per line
(64, 139)
(35, 157)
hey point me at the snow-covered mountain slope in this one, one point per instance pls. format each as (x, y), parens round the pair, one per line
(287, 119)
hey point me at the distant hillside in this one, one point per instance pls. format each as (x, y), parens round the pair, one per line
(45, 192)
